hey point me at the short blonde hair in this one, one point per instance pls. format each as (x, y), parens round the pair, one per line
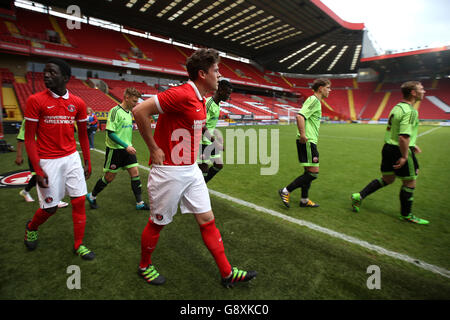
(407, 87)
(133, 92)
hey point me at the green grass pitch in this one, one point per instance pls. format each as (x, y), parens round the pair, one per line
(293, 262)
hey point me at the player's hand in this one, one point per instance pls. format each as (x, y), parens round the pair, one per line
(42, 181)
(400, 163)
(218, 146)
(87, 172)
(417, 149)
(303, 139)
(157, 156)
(131, 150)
(18, 161)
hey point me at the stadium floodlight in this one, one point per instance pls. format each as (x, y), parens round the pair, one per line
(297, 52)
(336, 59)
(169, 7)
(307, 56)
(236, 23)
(279, 39)
(249, 26)
(267, 25)
(147, 5)
(130, 3)
(206, 10)
(321, 57)
(355, 57)
(184, 9)
(237, 15)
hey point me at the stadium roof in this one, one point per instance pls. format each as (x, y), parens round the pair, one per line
(418, 63)
(291, 36)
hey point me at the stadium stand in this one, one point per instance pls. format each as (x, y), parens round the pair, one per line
(349, 99)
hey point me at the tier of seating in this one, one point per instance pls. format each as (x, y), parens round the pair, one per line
(369, 102)
(348, 99)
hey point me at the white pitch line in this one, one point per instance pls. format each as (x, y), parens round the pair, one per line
(428, 131)
(350, 137)
(335, 234)
(365, 244)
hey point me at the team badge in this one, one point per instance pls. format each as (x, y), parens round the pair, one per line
(158, 217)
(48, 199)
(315, 159)
(113, 166)
(71, 107)
(15, 179)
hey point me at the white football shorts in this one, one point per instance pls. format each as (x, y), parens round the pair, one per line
(170, 186)
(65, 176)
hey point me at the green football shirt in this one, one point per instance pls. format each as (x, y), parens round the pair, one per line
(312, 111)
(212, 116)
(119, 121)
(21, 134)
(403, 119)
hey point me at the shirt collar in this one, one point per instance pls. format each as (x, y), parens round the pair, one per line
(199, 96)
(54, 95)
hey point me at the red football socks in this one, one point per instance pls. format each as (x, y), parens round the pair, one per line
(79, 219)
(39, 218)
(149, 239)
(213, 241)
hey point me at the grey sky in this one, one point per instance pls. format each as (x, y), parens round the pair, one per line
(400, 25)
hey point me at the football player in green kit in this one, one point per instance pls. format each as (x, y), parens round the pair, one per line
(399, 153)
(212, 144)
(308, 124)
(120, 153)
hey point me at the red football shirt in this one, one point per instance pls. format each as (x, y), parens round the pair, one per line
(179, 127)
(56, 116)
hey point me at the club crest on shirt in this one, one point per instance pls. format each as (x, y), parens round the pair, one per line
(159, 217)
(48, 199)
(71, 107)
(113, 166)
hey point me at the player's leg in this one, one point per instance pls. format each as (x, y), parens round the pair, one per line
(305, 201)
(48, 199)
(217, 165)
(408, 174)
(75, 186)
(308, 157)
(149, 240)
(389, 155)
(101, 184)
(370, 188)
(213, 241)
(163, 193)
(136, 187)
(196, 200)
(31, 227)
(111, 166)
(30, 185)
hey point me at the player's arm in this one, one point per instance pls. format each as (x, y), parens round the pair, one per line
(84, 144)
(31, 147)
(301, 127)
(404, 139)
(114, 137)
(19, 154)
(403, 143)
(207, 134)
(142, 114)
